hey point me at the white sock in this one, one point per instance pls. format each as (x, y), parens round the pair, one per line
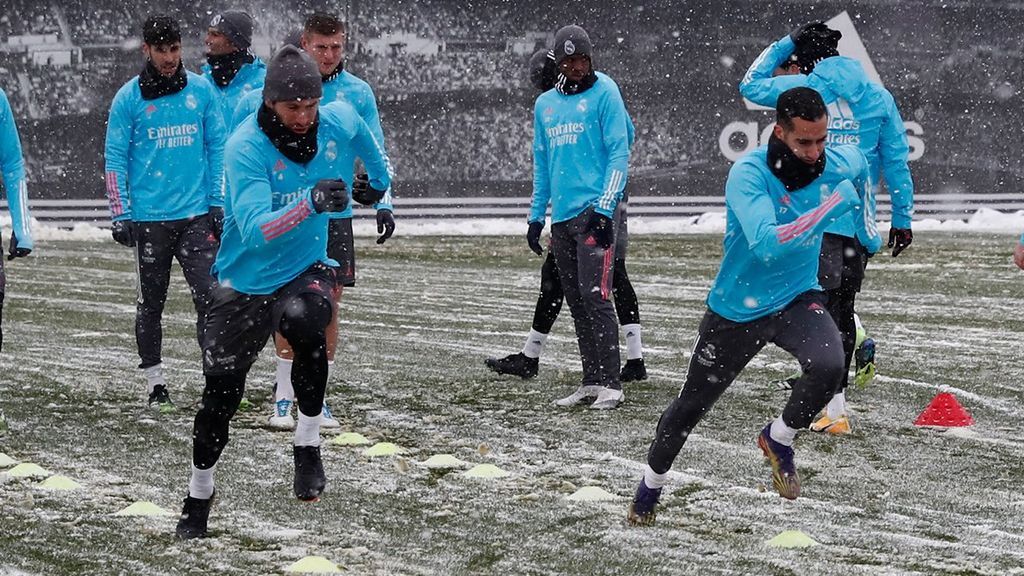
(654, 480)
(307, 431)
(201, 484)
(836, 406)
(283, 378)
(856, 322)
(634, 349)
(534, 344)
(154, 377)
(781, 433)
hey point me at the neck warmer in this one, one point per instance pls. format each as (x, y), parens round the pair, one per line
(792, 171)
(337, 72)
(155, 85)
(568, 87)
(226, 66)
(299, 148)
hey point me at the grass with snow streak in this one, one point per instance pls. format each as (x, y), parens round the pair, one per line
(889, 499)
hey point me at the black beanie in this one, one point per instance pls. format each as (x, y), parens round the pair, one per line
(815, 43)
(161, 30)
(236, 26)
(572, 41)
(292, 75)
(542, 70)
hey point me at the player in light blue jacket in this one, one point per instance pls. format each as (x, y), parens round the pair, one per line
(164, 173)
(779, 200)
(12, 165)
(861, 113)
(285, 167)
(230, 66)
(323, 38)
(580, 158)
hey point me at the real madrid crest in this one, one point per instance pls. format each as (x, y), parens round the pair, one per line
(570, 48)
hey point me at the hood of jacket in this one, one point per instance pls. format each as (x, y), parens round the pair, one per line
(843, 76)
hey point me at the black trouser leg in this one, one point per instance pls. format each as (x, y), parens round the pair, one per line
(723, 348)
(304, 324)
(841, 307)
(196, 252)
(626, 304)
(549, 302)
(221, 397)
(155, 247)
(811, 336)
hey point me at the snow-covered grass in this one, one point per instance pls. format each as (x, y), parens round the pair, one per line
(889, 499)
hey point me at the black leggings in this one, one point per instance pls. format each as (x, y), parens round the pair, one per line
(303, 323)
(723, 349)
(549, 302)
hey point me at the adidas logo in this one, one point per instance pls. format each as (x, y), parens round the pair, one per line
(740, 136)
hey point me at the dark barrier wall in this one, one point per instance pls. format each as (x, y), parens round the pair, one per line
(450, 78)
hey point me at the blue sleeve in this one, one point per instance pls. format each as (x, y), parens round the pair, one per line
(758, 84)
(371, 116)
(747, 197)
(614, 122)
(252, 200)
(13, 166)
(246, 105)
(893, 151)
(119, 140)
(541, 176)
(865, 220)
(215, 134)
(368, 148)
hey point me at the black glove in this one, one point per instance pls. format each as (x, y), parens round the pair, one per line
(123, 232)
(533, 237)
(602, 229)
(329, 196)
(385, 225)
(363, 193)
(16, 252)
(217, 221)
(899, 239)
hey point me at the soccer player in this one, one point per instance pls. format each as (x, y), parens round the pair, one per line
(779, 199)
(323, 38)
(230, 66)
(580, 157)
(524, 364)
(273, 269)
(12, 165)
(861, 113)
(164, 173)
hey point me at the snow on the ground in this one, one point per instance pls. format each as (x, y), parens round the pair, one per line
(983, 220)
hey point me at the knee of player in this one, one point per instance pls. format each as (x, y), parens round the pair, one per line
(305, 319)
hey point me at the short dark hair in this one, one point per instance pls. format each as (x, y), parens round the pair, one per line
(160, 30)
(801, 102)
(323, 24)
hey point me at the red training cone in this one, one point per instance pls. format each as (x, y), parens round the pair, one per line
(944, 411)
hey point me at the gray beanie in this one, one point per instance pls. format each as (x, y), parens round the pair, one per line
(572, 41)
(237, 26)
(292, 75)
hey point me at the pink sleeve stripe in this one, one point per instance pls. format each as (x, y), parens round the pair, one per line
(807, 221)
(285, 222)
(114, 195)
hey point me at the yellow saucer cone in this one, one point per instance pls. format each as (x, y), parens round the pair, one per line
(144, 508)
(314, 565)
(486, 471)
(382, 449)
(442, 461)
(792, 539)
(6, 461)
(27, 470)
(58, 482)
(350, 439)
(592, 494)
